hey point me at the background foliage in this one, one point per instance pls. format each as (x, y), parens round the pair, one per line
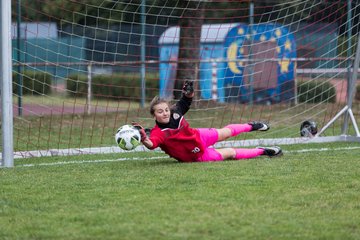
(62, 12)
(34, 83)
(316, 92)
(120, 86)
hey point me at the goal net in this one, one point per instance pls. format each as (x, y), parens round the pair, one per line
(82, 69)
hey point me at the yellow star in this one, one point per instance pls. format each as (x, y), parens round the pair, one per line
(288, 45)
(241, 50)
(278, 32)
(278, 49)
(262, 38)
(240, 31)
(284, 65)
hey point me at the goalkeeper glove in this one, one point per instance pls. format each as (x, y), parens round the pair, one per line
(188, 88)
(141, 130)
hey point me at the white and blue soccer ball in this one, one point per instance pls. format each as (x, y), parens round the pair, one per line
(127, 137)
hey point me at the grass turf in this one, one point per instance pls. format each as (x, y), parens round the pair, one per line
(311, 194)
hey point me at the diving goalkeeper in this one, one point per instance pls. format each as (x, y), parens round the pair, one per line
(175, 137)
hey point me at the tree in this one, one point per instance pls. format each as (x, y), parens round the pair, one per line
(161, 12)
(189, 43)
(86, 12)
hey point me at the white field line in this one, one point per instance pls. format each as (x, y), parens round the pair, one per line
(87, 161)
(164, 157)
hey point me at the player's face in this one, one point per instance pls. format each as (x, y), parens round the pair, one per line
(162, 113)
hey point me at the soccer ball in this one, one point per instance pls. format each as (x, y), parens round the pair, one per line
(127, 137)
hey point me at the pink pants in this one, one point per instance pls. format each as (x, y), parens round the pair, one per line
(209, 136)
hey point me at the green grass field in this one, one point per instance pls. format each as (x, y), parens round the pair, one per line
(312, 192)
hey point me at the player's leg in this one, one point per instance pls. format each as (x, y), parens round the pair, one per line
(209, 136)
(232, 130)
(212, 155)
(240, 153)
(246, 153)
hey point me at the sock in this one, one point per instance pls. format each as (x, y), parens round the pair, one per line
(244, 153)
(236, 129)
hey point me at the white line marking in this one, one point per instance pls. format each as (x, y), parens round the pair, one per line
(164, 157)
(86, 161)
(322, 149)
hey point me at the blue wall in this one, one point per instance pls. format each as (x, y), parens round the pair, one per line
(239, 38)
(169, 52)
(228, 80)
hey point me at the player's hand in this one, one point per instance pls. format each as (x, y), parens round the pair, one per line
(141, 130)
(188, 88)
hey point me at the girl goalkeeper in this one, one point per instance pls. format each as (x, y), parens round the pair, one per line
(175, 137)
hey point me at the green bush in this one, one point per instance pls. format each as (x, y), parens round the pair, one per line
(119, 86)
(316, 92)
(34, 83)
(342, 49)
(76, 85)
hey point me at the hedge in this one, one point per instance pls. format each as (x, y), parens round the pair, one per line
(316, 92)
(34, 83)
(126, 86)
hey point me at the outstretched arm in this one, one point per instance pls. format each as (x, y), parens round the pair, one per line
(183, 105)
(147, 143)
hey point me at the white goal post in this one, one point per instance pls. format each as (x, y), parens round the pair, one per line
(6, 85)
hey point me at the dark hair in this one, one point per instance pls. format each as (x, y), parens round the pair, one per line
(156, 100)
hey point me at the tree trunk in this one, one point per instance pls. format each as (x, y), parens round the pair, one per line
(189, 45)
